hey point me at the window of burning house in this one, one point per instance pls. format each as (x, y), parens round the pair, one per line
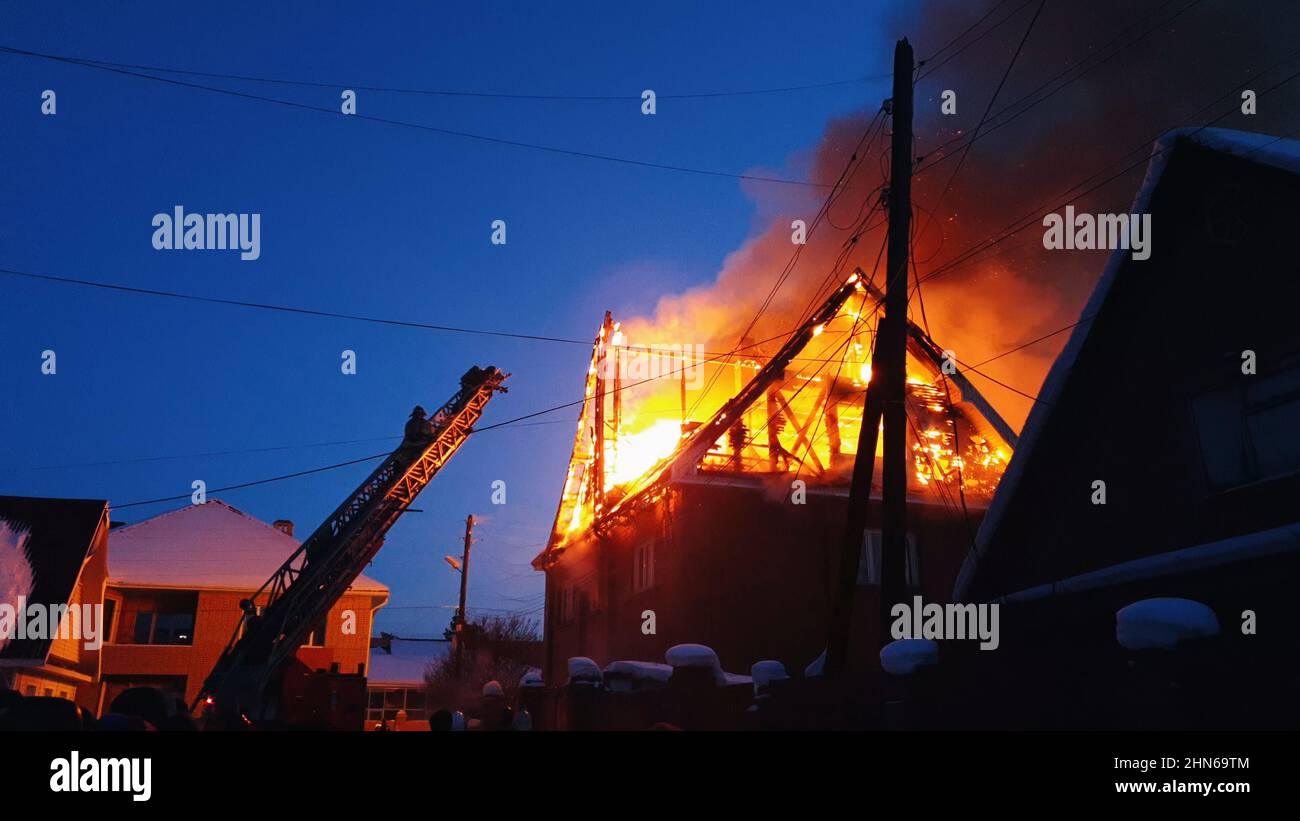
(1249, 433)
(643, 566)
(567, 608)
(869, 561)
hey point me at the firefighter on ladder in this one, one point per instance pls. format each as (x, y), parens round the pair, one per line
(418, 431)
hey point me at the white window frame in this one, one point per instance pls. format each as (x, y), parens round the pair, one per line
(869, 561)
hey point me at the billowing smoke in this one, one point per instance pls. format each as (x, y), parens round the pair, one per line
(1138, 69)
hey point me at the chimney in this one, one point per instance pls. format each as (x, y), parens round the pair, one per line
(284, 526)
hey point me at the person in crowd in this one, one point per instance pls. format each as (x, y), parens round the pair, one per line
(440, 722)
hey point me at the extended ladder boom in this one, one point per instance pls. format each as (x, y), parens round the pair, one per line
(302, 591)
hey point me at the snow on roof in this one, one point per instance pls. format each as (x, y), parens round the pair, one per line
(816, 667)
(211, 546)
(642, 670)
(701, 655)
(903, 656)
(532, 678)
(765, 672)
(582, 668)
(403, 665)
(1261, 544)
(1277, 152)
(1162, 623)
(692, 655)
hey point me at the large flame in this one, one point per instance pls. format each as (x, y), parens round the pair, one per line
(806, 422)
(635, 453)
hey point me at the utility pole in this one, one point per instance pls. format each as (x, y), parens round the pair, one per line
(464, 585)
(886, 394)
(893, 523)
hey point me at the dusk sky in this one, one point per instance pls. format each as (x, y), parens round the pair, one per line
(393, 222)
(362, 217)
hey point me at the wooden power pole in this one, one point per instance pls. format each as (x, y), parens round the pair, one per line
(464, 583)
(886, 394)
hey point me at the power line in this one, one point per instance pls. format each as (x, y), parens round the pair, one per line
(233, 452)
(238, 303)
(845, 177)
(1075, 65)
(1012, 229)
(968, 30)
(265, 306)
(474, 430)
(445, 92)
(325, 468)
(242, 485)
(587, 155)
(142, 459)
(984, 117)
(982, 35)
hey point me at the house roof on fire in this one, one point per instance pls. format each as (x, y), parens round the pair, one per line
(212, 546)
(680, 466)
(1275, 152)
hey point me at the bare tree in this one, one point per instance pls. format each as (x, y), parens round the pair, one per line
(497, 648)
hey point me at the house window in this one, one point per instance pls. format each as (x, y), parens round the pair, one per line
(384, 704)
(316, 638)
(164, 628)
(869, 562)
(567, 599)
(158, 617)
(1249, 433)
(643, 566)
(110, 610)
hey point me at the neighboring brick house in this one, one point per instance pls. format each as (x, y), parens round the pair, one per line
(396, 680)
(55, 550)
(174, 586)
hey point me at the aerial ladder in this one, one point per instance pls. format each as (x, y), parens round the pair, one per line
(297, 597)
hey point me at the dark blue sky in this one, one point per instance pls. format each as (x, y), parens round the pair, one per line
(367, 218)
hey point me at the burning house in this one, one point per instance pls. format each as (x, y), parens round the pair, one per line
(705, 502)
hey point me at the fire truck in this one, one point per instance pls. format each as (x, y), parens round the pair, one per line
(258, 681)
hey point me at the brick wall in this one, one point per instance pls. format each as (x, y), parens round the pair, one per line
(216, 617)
